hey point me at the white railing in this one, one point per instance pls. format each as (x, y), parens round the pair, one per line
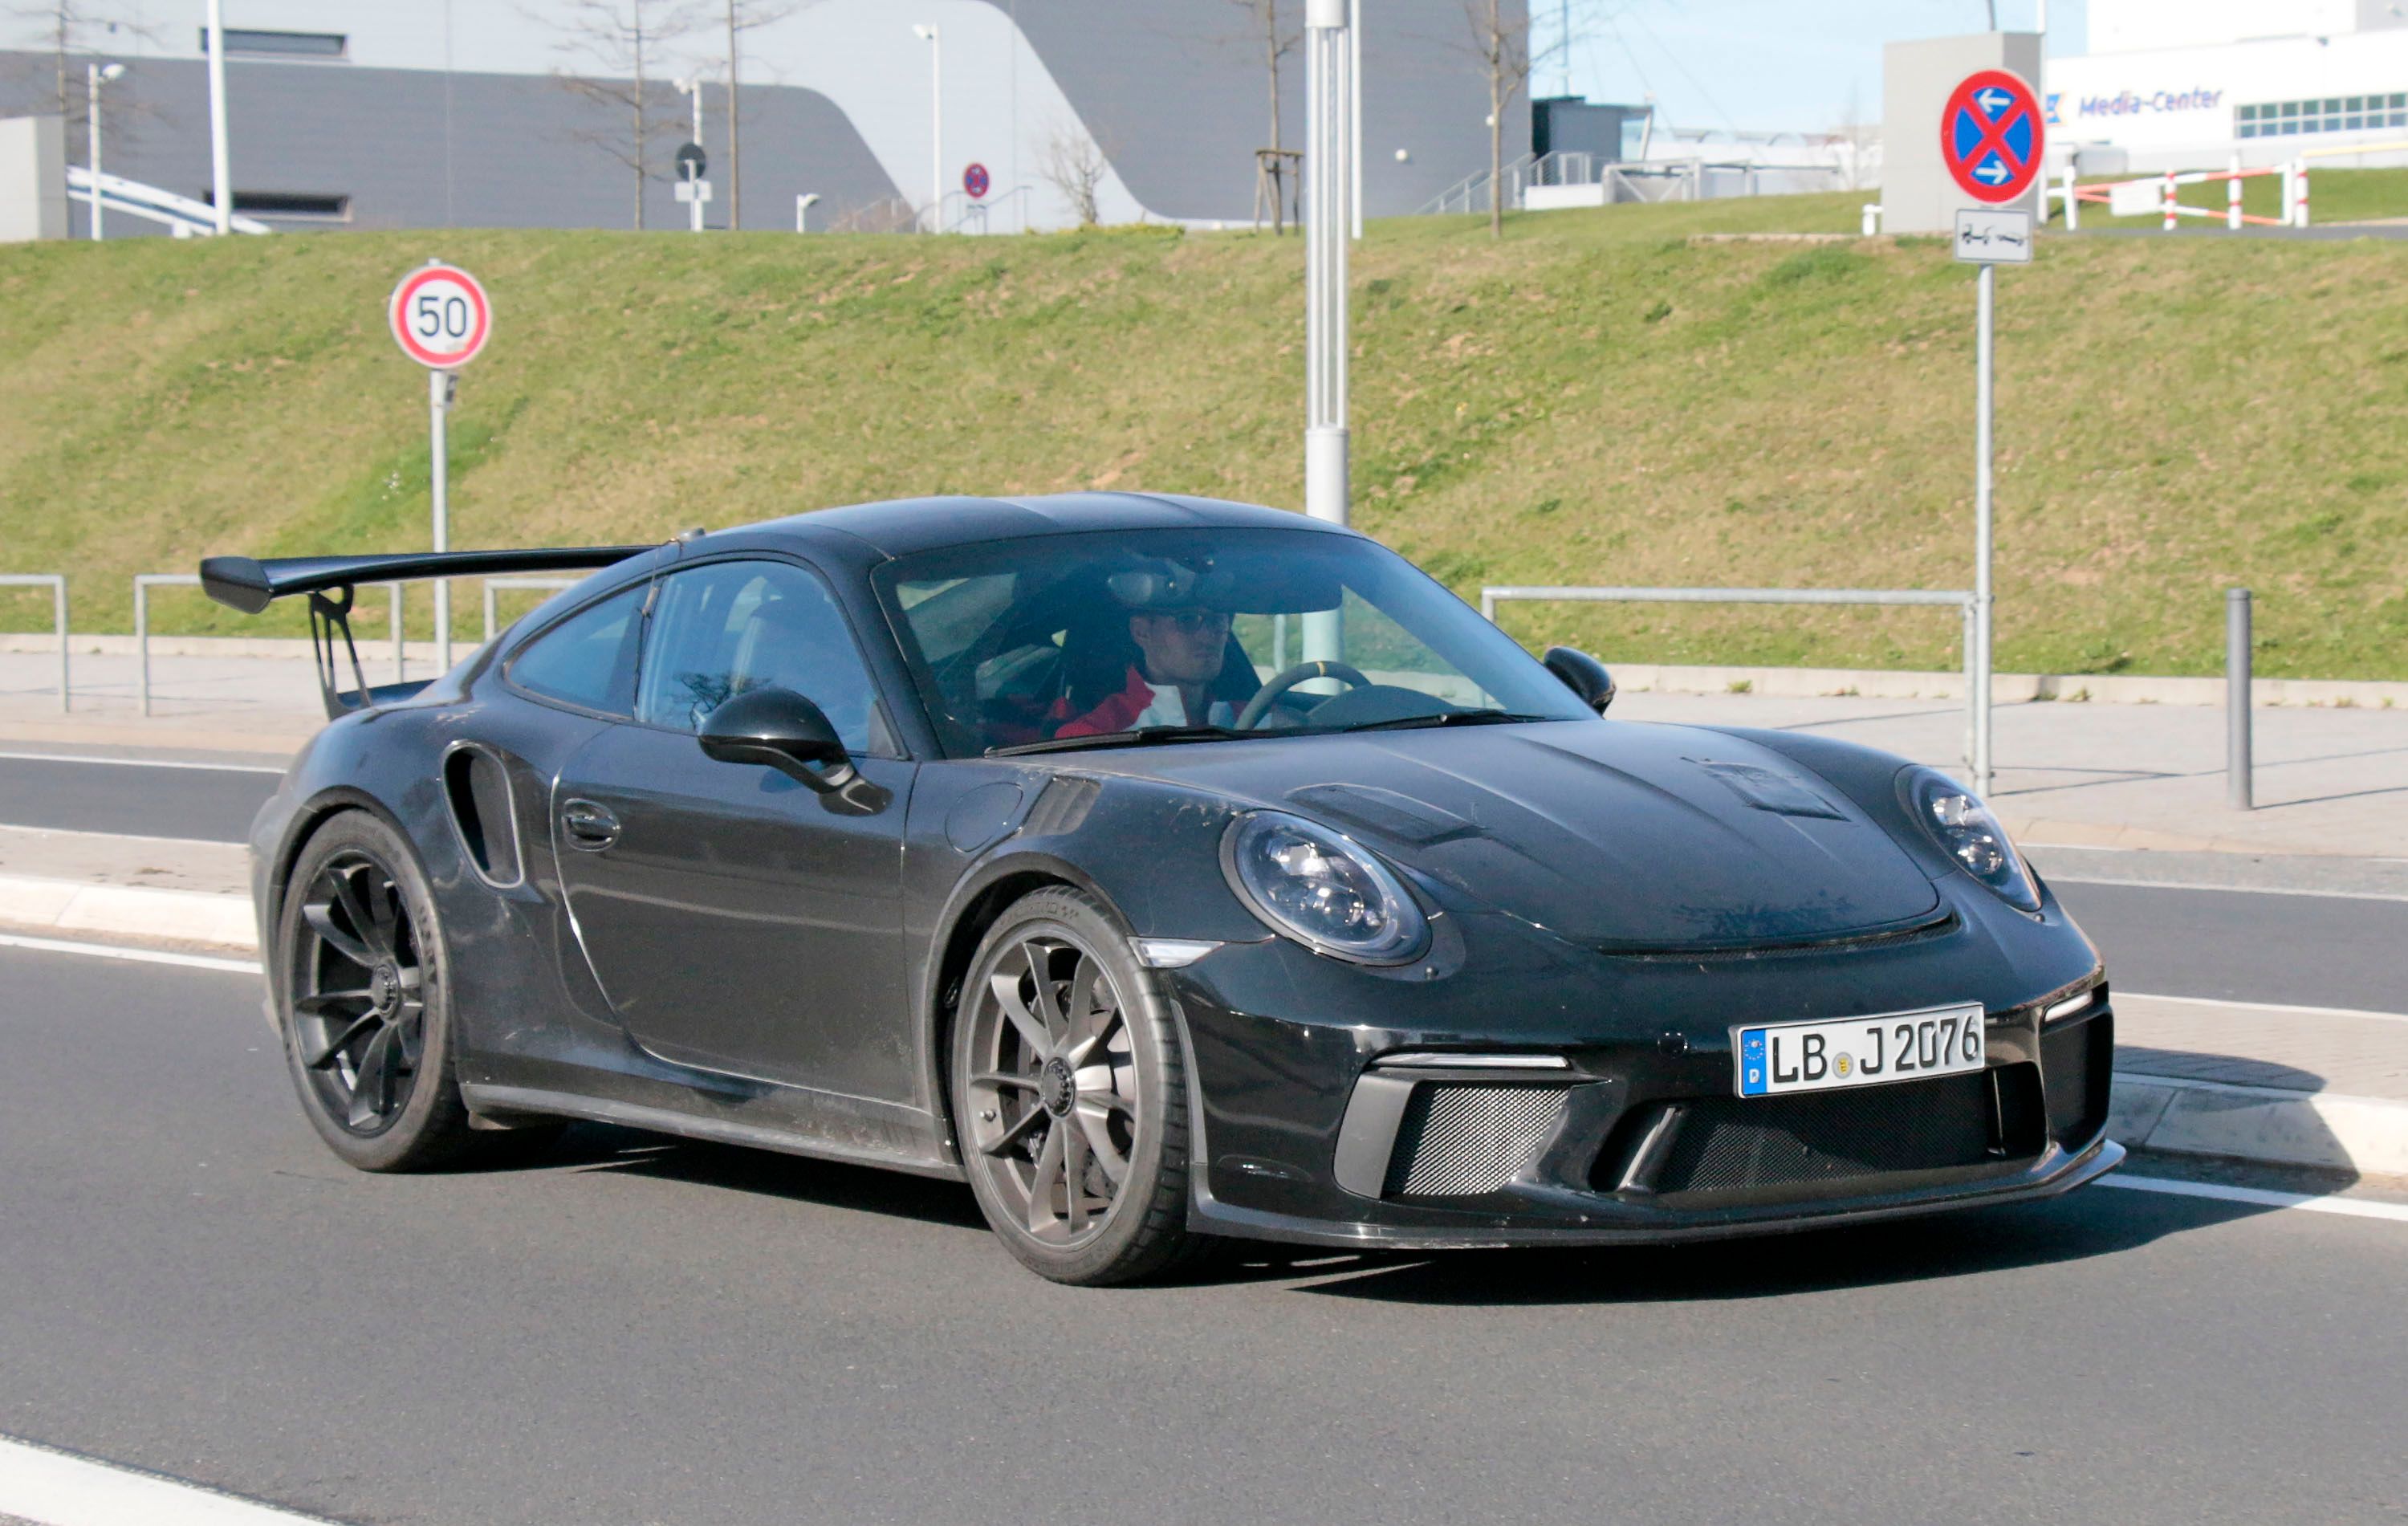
(57, 584)
(1006, 213)
(145, 582)
(186, 216)
(1465, 191)
(495, 585)
(1977, 686)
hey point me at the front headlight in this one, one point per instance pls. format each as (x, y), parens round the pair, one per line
(1319, 888)
(1969, 833)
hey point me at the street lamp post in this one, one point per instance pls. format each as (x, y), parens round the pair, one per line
(926, 32)
(95, 75)
(220, 178)
(692, 86)
(1329, 178)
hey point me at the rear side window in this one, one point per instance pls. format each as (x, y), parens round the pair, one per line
(588, 659)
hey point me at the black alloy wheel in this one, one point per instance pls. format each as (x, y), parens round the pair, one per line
(1069, 1094)
(366, 1020)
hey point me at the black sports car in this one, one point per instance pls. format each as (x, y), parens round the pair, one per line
(1171, 869)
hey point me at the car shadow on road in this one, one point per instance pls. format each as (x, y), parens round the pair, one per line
(830, 1184)
(2093, 1222)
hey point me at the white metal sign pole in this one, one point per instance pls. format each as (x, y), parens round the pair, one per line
(1988, 281)
(1329, 86)
(220, 178)
(439, 408)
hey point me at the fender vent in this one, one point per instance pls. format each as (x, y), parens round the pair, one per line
(478, 792)
(1458, 1141)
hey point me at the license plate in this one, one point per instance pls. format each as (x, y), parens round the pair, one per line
(1859, 1051)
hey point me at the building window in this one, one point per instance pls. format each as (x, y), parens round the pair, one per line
(2332, 114)
(300, 205)
(248, 43)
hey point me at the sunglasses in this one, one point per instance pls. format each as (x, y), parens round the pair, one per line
(1196, 621)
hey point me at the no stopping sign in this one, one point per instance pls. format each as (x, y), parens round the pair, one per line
(440, 317)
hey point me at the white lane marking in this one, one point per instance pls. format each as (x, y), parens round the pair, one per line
(2230, 890)
(62, 1489)
(2269, 1006)
(11, 828)
(2353, 1207)
(139, 762)
(134, 955)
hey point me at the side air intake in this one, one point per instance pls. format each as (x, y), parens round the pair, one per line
(1458, 1141)
(478, 788)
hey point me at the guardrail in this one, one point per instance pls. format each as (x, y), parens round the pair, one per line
(57, 584)
(493, 585)
(1977, 688)
(145, 582)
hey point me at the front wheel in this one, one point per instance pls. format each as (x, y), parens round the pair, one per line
(367, 1011)
(1071, 1096)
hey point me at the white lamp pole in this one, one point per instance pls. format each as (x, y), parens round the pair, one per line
(928, 33)
(220, 178)
(1329, 140)
(693, 86)
(97, 74)
(1355, 130)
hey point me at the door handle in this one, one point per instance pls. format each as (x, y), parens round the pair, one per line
(588, 825)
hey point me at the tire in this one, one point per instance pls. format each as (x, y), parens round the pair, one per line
(364, 1004)
(1069, 1094)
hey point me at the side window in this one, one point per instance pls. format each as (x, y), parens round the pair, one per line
(732, 626)
(588, 660)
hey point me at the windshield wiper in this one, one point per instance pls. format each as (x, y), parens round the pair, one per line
(1450, 717)
(1144, 736)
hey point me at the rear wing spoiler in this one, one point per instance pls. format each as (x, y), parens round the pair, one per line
(243, 584)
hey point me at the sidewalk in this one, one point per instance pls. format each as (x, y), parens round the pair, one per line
(2329, 780)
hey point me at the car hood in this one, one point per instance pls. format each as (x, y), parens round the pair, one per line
(1619, 835)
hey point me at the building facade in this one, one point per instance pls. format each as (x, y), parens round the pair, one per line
(417, 113)
(2182, 84)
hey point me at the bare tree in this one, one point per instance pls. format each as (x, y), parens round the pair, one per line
(744, 16)
(615, 48)
(1075, 164)
(1501, 40)
(1274, 42)
(72, 32)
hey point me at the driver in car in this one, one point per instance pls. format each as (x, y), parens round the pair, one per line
(1183, 649)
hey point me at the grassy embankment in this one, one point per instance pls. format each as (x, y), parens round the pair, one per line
(1601, 397)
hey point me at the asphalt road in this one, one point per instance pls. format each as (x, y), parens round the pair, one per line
(635, 1329)
(137, 800)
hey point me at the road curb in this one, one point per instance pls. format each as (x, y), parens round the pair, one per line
(2364, 1134)
(189, 916)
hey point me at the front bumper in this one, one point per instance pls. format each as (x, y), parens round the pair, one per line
(1309, 1131)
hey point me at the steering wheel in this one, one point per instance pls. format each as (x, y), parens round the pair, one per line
(1280, 682)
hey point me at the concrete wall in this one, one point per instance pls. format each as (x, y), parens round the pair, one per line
(1918, 195)
(33, 179)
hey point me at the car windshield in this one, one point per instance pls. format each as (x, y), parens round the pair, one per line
(1125, 637)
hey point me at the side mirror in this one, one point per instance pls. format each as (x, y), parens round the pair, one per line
(1582, 674)
(783, 730)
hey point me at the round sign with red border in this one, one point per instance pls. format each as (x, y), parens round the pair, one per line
(975, 183)
(440, 317)
(1990, 136)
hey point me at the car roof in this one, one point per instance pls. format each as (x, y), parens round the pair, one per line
(902, 527)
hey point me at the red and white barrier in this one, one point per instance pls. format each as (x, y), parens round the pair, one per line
(2159, 195)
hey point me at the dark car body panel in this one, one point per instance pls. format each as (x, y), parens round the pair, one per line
(755, 968)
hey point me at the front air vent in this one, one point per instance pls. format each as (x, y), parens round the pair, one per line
(2076, 1062)
(478, 788)
(1462, 1141)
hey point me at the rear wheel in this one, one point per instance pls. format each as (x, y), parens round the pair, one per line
(367, 1011)
(1071, 1096)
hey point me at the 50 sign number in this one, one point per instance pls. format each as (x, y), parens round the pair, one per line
(440, 316)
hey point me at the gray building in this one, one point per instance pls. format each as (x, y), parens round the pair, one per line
(412, 113)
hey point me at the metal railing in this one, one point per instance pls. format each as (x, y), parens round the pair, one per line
(57, 584)
(1465, 189)
(493, 585)
(1977, 688)
(145, 582)
(186, 217)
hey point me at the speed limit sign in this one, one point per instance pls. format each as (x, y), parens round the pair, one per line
(440, 317)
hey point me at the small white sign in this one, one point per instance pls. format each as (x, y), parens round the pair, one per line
(2137, 198)
(1990, 237)
(439, 316)
(692, 190)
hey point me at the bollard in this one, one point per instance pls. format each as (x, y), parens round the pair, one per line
(2236, 698)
